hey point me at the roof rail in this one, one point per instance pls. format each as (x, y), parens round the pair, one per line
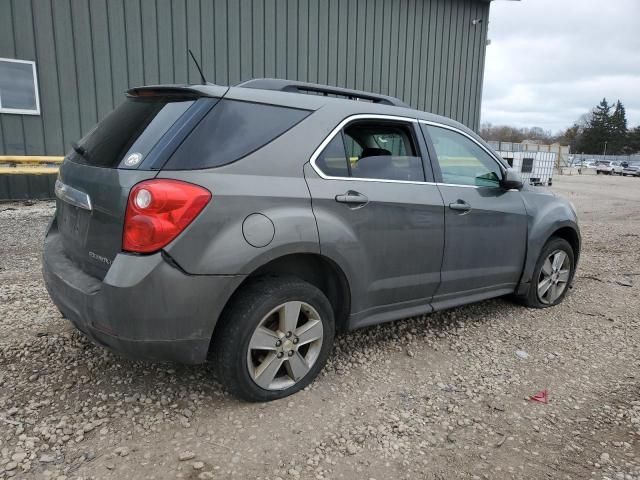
(318, 89)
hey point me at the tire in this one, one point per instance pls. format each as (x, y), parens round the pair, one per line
(532, 298)
(261, 303)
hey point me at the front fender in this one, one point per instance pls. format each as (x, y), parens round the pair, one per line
(547, 214)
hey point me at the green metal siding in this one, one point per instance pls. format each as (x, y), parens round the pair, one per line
(88, 52)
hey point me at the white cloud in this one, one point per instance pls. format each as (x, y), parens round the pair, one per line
(550, 61)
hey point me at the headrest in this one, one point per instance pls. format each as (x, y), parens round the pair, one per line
(375, 152)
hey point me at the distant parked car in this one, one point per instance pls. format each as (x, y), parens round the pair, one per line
(588, 164)
(632, 170)
(607, 167)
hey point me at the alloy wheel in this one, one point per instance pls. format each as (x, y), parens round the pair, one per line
(285, 345)
(554, 277)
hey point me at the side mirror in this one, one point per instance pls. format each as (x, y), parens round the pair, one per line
(511, 180)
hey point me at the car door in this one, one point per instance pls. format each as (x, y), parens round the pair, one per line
(378, 218)
(485, 225)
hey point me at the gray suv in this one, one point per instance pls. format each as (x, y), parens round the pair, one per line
(249, 224)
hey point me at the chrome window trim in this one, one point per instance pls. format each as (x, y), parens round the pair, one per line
(336, 130)
(440, 184)
(375, 116)
(73, 196)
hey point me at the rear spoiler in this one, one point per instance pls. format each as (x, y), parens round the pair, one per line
(178, 91)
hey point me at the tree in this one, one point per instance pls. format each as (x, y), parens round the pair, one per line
(598, 131)
(618, 129)
(504, 133)
(501, 133)
(632, 145)
(604, 123)
(571, 136)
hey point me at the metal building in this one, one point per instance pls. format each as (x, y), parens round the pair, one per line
(78, 57)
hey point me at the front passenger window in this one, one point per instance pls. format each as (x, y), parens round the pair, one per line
(462, 161)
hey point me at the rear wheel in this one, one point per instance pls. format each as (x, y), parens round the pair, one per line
(274, 338)
(552, 275)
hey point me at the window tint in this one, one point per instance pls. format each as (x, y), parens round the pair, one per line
(462, 161)
(333, 159)
(232, 130)
(135, 126)
(18, 87)
(353, 149)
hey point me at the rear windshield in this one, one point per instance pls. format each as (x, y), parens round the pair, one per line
(135, 126)
(232, 130)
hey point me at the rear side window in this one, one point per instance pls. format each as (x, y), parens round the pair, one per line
(333, 160)
(377, 150)
(135, 126)
(232, 130)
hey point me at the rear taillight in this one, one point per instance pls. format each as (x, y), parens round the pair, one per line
(158, 210)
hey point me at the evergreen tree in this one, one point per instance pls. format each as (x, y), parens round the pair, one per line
(618, 132)
(633, 141)
(598, 131)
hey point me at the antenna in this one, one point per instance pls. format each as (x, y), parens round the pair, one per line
(204, 80)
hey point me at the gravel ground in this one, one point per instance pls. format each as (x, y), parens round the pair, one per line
(442, 396)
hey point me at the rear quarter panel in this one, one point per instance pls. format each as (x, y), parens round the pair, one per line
(214, 244)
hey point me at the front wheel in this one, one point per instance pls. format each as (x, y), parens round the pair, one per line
(552, 275)
(274, 338)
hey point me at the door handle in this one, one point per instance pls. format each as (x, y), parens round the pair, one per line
(352, 198)
(460, 206)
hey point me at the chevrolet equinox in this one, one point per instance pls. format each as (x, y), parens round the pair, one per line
(249, 224)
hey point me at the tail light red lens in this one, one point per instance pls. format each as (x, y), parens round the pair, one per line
(158, 211)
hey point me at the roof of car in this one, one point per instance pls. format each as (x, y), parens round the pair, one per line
(305, 96)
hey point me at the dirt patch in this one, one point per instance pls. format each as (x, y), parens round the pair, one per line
(441, 396)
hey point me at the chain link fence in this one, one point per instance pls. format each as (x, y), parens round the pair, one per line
(576, 159)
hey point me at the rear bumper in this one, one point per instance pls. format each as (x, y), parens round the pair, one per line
(144, 308)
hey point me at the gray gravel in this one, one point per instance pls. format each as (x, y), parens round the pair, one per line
(442, 396)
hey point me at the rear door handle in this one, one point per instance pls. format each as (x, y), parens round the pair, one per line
(460, 206)
(352, 198)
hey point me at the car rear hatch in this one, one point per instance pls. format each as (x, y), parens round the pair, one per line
(127, 147)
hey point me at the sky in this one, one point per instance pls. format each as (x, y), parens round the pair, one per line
(551, 61)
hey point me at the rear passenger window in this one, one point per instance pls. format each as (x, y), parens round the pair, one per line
(333, 160)
(374, 150)
(232, 130)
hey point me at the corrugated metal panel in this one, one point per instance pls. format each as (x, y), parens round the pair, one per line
(27, 186)
(88, 52)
